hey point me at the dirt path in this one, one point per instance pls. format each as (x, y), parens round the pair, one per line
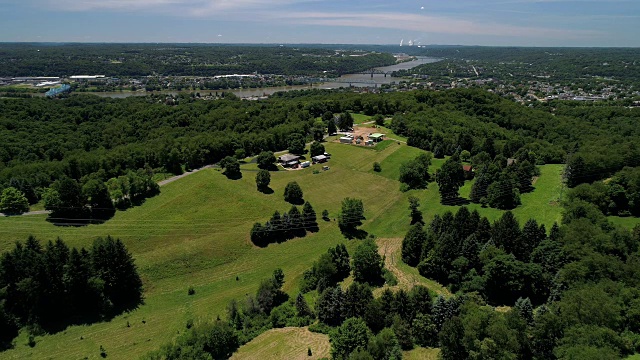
(390, 249)
(178, 177)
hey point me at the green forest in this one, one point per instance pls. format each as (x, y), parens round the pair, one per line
(127, 60)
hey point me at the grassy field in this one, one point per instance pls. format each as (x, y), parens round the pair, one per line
(360, 118)
(196, 233)
(627, 222)
(421, 354)
(286, 343)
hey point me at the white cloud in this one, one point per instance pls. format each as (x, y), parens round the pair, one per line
(176, 7)
(430, 24)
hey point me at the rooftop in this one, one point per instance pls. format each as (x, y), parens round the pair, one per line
(288, 157)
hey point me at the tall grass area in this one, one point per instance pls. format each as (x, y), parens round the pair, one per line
(196, 233)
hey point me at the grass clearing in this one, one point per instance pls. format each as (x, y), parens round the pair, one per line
(360, 118)
(285, 343)
(196, 233)
(627, 222)
(420, 353)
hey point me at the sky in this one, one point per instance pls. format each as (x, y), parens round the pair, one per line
(425, 22)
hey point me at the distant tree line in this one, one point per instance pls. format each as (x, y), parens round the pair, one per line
(50, 287)
(122, 60)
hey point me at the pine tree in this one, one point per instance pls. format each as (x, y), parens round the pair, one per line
(416, 214)
(330, 306)
(506, 233)
(309, 217)
(412, 244)
(302, 308)
(340, 258)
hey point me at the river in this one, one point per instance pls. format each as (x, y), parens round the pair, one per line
(359, 80)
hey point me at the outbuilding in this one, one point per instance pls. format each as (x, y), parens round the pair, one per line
(288, 160)
(376, 137)
(320, 159)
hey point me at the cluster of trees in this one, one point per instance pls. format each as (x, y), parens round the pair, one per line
(502, 262)
(285, 226)
(500, 182)
(414, 174)
(91, 199)
(13, 202)
(185, 60)
(574, 291)
(590, 313)
(49, 287)
(332, 267)
(445, 122)
(351, 217)
(619, 195)
(363, 327)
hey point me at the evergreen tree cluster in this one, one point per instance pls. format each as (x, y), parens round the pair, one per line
(285, 226)
(502, 261)
(53, 286)
(500, 182)
(332, 267)
(381, 327)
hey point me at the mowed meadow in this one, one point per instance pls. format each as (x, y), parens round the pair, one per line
(196, 234)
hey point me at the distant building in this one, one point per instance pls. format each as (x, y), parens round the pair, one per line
(86, 77)
(320, 159)
(289, 160)
(346, 139)
(59, 90)
(376, 137)
(468, 172)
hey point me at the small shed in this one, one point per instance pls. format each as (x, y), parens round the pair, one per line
(376, 137)
(319, 159)
(511, 161)
(468, 172)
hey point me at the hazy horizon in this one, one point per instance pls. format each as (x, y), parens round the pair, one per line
(525, 23)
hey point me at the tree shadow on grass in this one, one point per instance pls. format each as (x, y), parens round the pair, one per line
(267, 190)
(233, 176)
(60, 322)
(354, 233)
(457, 201)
